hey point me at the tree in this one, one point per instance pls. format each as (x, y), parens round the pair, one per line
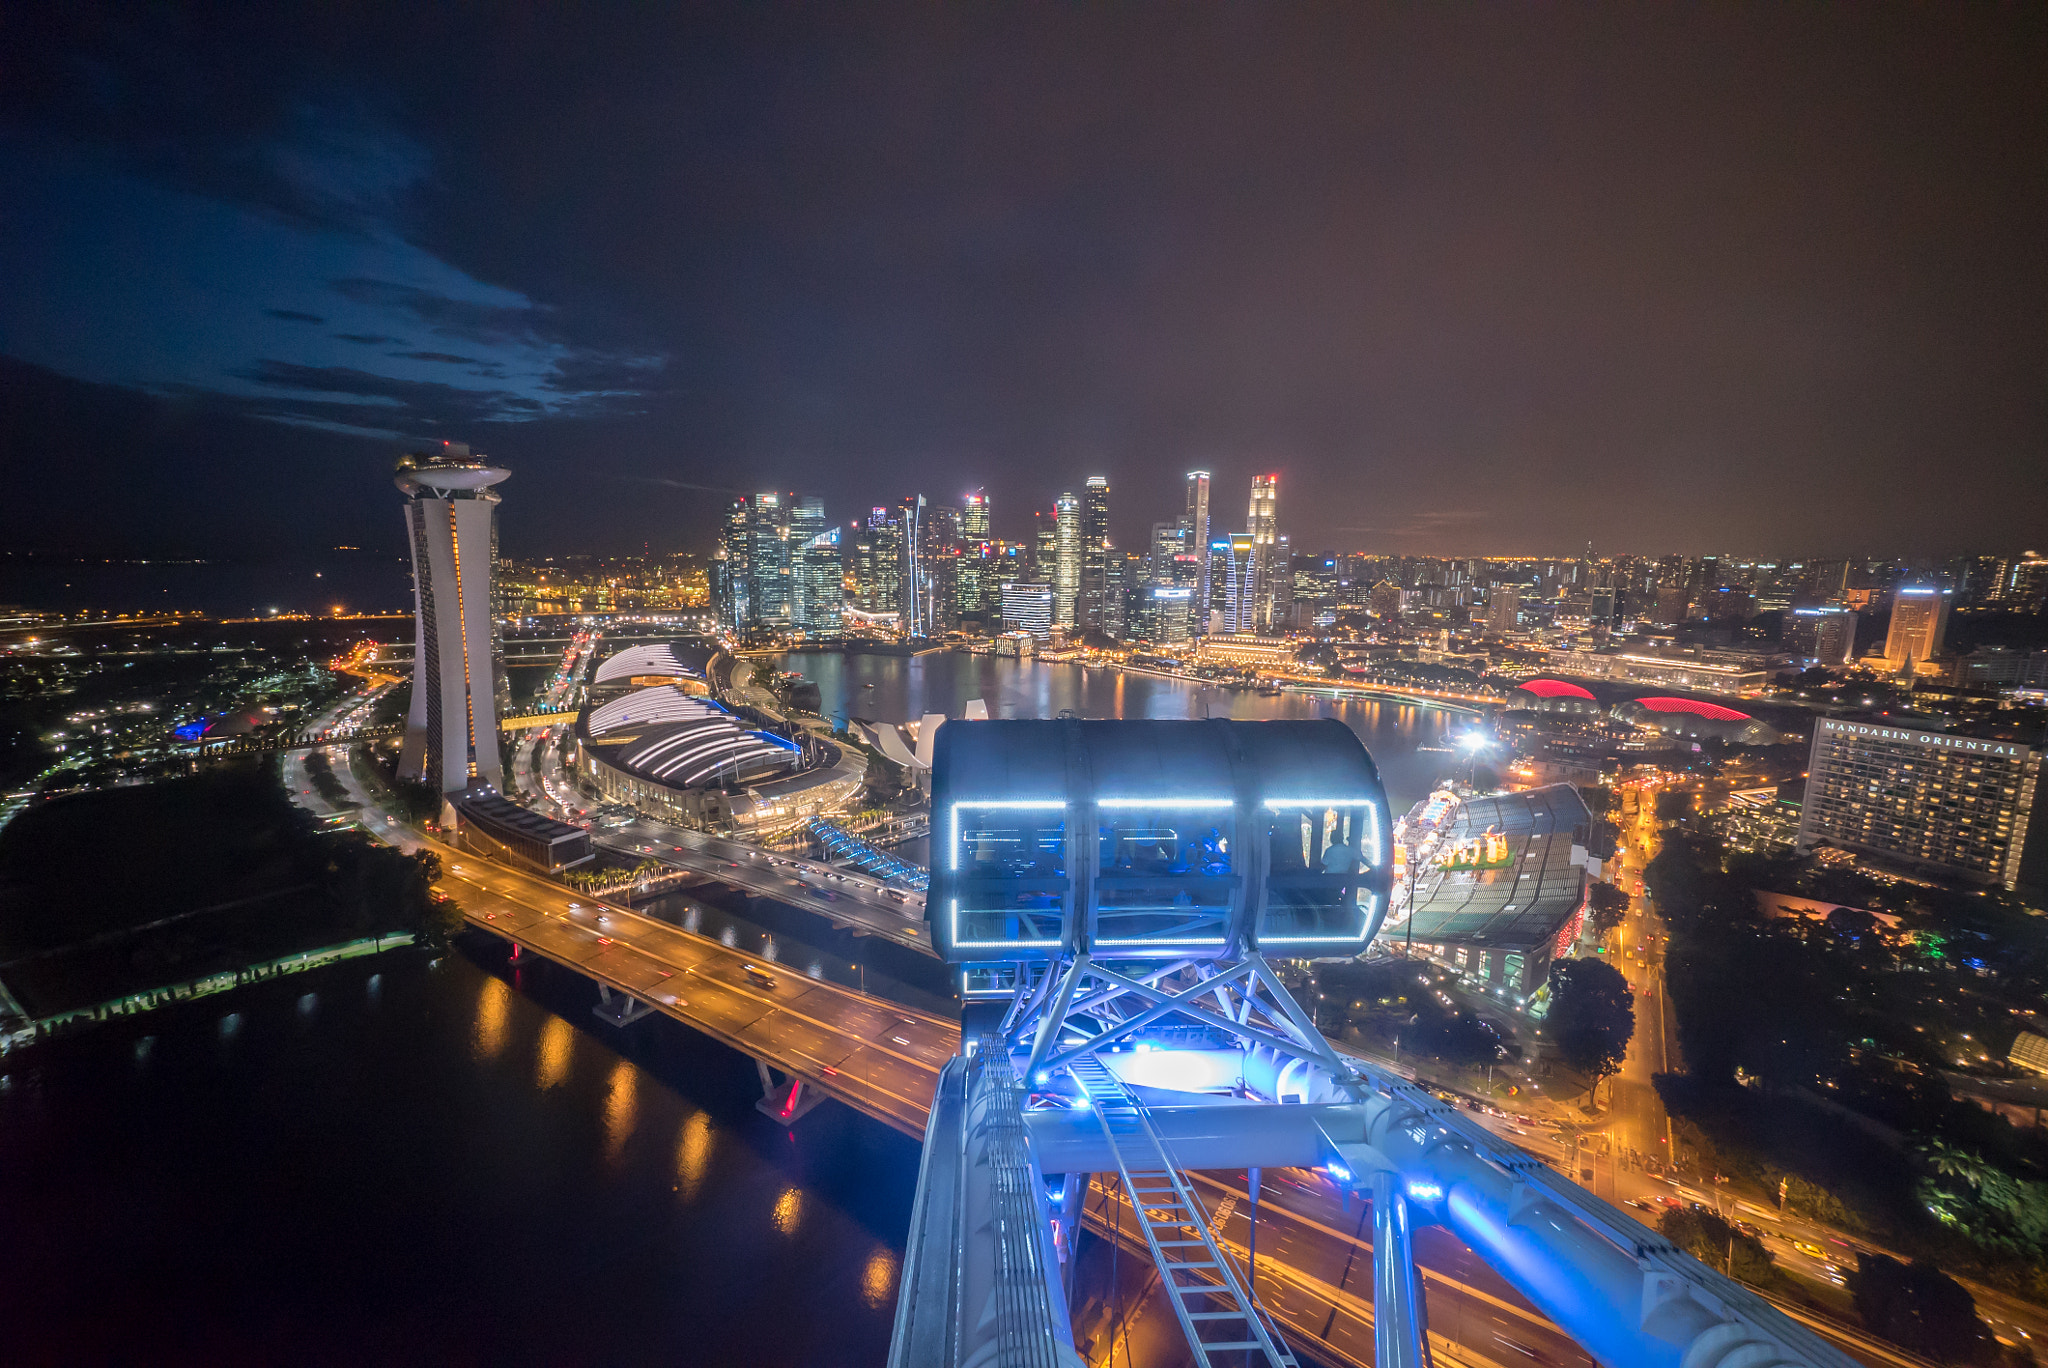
(417, 801)
(1918, 1307)
(1710, 1239)
(1592, 1016)
(1600, 800)
(1610, 905)
(1674, 805)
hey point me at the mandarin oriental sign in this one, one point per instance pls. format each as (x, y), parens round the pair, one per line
(1920, 738)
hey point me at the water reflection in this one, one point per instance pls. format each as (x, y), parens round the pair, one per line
(493, 1010)
(905, 689)
(878, 1279)
(788, 1210)
(619, 1109)
(556, 1040)
(594, 1148)
(693, 1154)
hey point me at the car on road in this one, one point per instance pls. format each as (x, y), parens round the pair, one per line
(1809, 1249)
(757, 975)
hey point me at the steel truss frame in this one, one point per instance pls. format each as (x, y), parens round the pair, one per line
(1244, 998)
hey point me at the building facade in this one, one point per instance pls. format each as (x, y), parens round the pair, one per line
(451, 513)
(1503, 609)
(1066, 573)
(1962, 805)
(1233, 581)
(1262, 524)
(1821, 636)
(821, 587)
(1028, 607)
(1194, 522)
(1093, 607)
(1919, 627)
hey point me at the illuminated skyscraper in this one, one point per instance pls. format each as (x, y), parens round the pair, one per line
(974, 517)
(1233, 579)
(879, 564)
(451, 511)
(1821, 636)
(821, 587)
(1092, 608)
(974, 581)
(1919, 625)
(914, 586)
(1263, 527)
(1196, 521)
(1066, 582)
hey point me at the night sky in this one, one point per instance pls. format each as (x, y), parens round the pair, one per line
(1750, 279)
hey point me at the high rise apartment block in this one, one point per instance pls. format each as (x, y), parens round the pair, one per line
(1503, 609)
(1956, 804)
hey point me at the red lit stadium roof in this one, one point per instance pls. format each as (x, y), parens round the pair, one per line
(1552, 688)
(1712, 711)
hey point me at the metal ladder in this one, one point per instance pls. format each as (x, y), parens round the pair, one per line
(1199, 1279)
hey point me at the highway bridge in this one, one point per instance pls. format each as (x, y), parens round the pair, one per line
(295, 741)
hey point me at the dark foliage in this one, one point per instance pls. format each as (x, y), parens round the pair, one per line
(1610, 904)
(1710, 1239)
(1918, 1307)
(1592, 1016)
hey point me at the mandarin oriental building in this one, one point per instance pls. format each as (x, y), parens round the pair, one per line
(1959, 805)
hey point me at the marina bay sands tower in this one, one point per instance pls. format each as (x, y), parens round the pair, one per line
(451, 515)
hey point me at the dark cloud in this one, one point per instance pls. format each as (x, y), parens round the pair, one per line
(589, 373)
(294, 316)
(489, 324)
(1677, 278)
(374, 403)
(437, 356)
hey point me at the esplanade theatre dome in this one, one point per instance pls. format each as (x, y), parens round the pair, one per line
(1698, 720)
(1553, 696)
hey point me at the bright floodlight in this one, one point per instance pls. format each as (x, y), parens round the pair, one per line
(1473, 740)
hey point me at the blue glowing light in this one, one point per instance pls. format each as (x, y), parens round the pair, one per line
(1422, 1190)
(193, 730)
